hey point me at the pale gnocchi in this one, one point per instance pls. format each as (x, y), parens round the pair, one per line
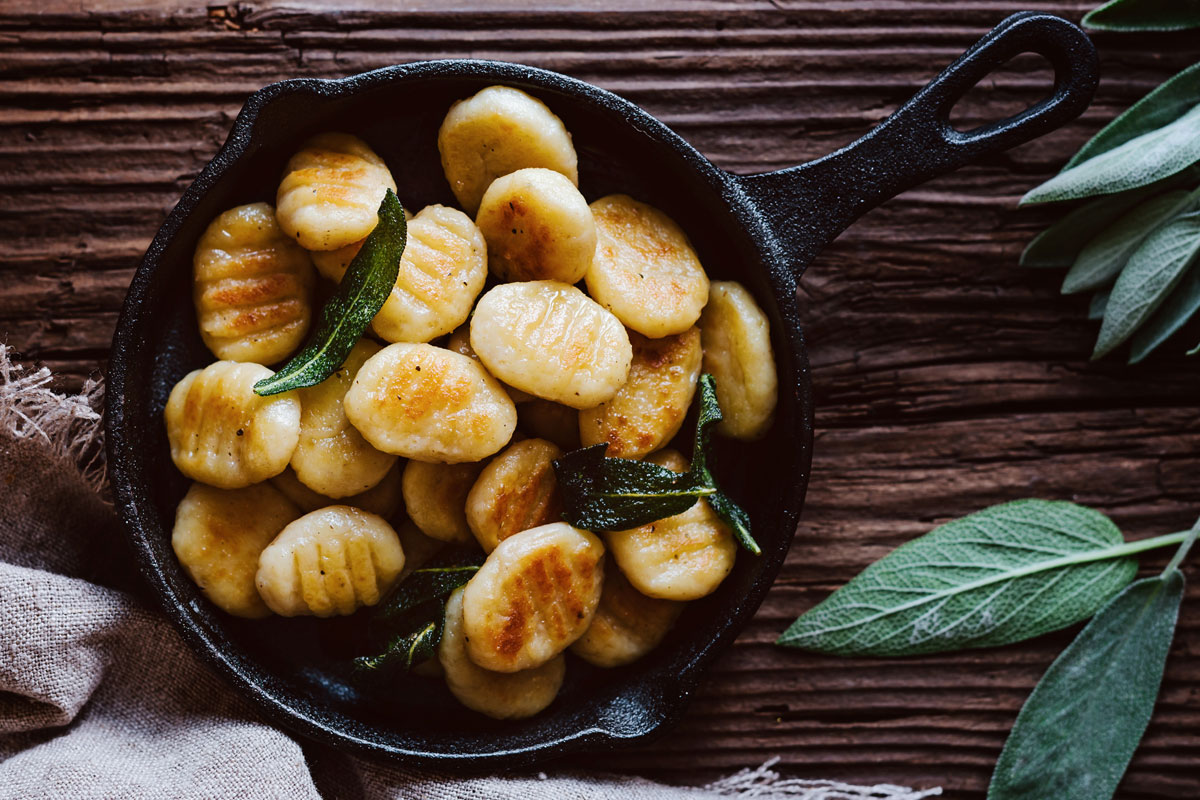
(499, 695)
(429, 404)
(683, 557)
(649, 409)
(737, 351)
(223, 434)
(534, 595)
(497, 131)
(627, 625)
(332, 458)
(435, 496)
(329, 562)
(331, 190)
(515, 492)
(219, 535)
(460, 342)
(645, 270)
(551, 340)
(537, 227)
(252, 287)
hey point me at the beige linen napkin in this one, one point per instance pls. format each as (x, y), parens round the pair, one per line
(101, 698)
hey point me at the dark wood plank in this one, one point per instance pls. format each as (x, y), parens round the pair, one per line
(946, 378)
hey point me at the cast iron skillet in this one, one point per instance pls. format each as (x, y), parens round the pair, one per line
(762, 230)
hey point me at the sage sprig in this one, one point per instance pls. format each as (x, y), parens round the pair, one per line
(364, 288)
(1001, 575)
(1144, 15)
(1077, 732)
(612, 494)
(408, 624)
(1139, 240)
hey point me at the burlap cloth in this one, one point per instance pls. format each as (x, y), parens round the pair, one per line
(101, 698)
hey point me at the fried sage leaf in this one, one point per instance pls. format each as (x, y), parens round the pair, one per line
(1079, 728)
(1007, 573)
(612, 494)
(1144, 15)
(364, 288)
(1153, 271)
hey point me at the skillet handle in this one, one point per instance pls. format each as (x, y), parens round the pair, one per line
(809, 205)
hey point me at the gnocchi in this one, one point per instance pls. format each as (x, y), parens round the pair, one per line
(737, 351)
(384, 498)
(436, 496)
(218, 536)
(537, 227)
(499, 695)
(252, 287)
(429, 404)
(515, 492)
(645, 270)
(627, 625)
(545, 419)
(331, 190)
(551, 340)
(649, 409)
(329, 562)
(223, 434)
(460, 342)
(497, 131)
(332, 458)
(534, 595)
(683, 557)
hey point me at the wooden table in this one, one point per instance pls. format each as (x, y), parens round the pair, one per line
(947, 378)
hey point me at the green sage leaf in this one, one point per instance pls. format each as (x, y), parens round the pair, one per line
(417, 643)
(364, 288)
(1004, 574)
(1144, 15)
(1098, 304)
(423, 585)
(1138, 162)
(1060, 244)
(1167, 103)
(1102, 259)
(1180, 306)
(1081, 725)
(1154, 269)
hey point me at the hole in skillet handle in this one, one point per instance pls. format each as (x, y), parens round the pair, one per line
(806, 207)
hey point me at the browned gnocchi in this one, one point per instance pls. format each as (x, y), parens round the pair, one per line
(737, 351)
(627, 625)
(515, 492)
(252, 287)
(435, 496)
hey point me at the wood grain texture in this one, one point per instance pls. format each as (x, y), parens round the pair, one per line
(946, 378)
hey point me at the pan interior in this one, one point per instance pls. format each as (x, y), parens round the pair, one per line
(298, 666)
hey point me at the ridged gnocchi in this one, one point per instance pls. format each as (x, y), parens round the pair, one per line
(496, 131)
(435, 496)
(534, 595)
(329, 562)
(537, 227)
(218, 536)
(442, 271)
(332, 458)
(683, 557)
(645, 270)
(429, 404)
(252, 287)
(499, 695)
(331, 190)
(223, 434)
(384, 498)
(515, 492)
(627, 625)
(551, 340)
(649, 409)
(737, 351)
(460, 342)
